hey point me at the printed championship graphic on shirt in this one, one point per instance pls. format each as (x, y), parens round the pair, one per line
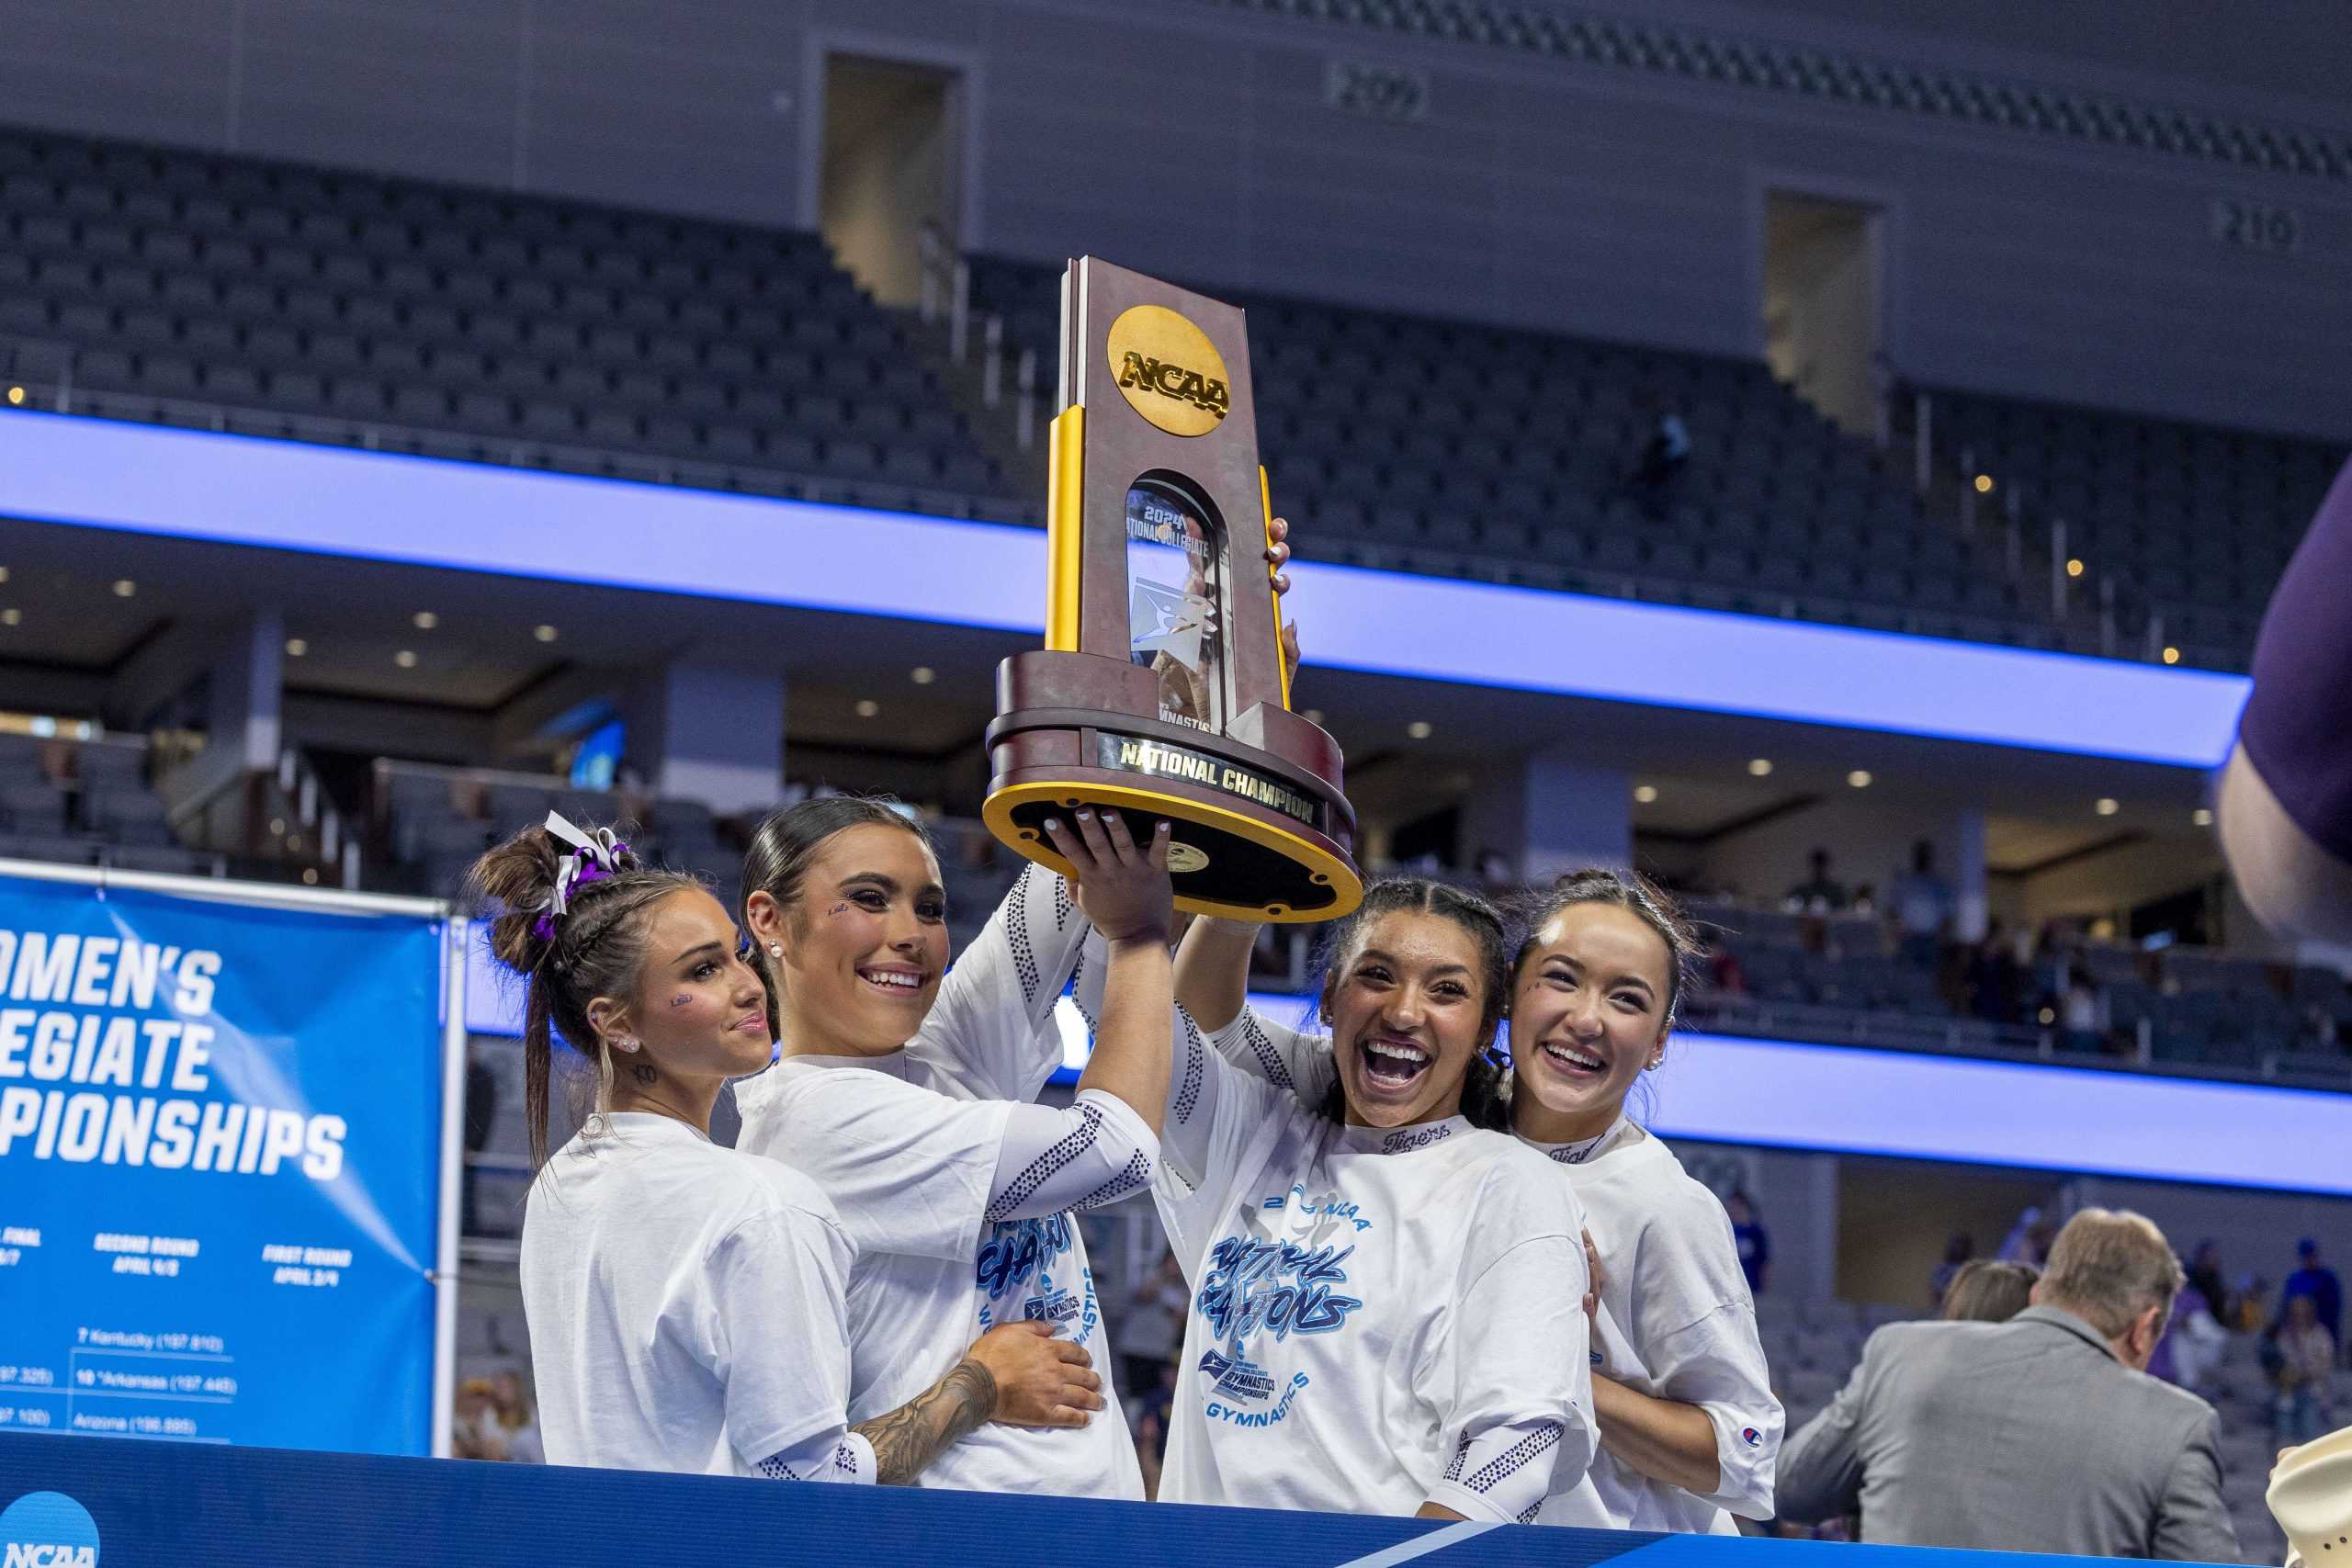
(1261, 1287)
(1020, 1276)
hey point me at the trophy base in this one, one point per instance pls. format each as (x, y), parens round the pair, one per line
(1262, 830)
(1221, 861)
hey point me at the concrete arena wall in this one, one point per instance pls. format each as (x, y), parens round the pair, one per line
(1195, 137)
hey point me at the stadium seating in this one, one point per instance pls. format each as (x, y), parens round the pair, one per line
(87, 803)
(1435, 446)
(274, 299)
(2193, 524)
(1839, 980)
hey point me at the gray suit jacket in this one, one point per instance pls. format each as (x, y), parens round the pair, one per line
(2025, 1436)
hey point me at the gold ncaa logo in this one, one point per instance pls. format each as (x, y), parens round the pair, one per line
(1168, 370)
(1183, 858)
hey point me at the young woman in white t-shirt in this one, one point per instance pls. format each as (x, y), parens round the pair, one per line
(684, 1302)
(905, 1092)
(1690, 1429)
(1375, 1322)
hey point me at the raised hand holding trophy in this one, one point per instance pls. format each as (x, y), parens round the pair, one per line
(1160, 691)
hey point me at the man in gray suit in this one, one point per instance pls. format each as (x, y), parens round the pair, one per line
(2042, 1434)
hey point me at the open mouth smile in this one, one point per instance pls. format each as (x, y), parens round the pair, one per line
(1573, 1061)
(1391, 1065)
(898, 983)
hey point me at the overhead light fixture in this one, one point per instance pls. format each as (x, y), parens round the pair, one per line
(425, 620)
(544, 633)
(310, 877)
(2106, 805)
(1860, 778)
(2172, 655)
(867, 707)
(2074, 567)
(124, 588)
(1419, 729)
(17, 396)
(11, 616)
(2201, 817)
(1983, 484)
(405, 658)
(1312, 715)
(1645, 794)
(3, 574)
(278, 826)
(922, 675)
(296, 648)
(1760, 767)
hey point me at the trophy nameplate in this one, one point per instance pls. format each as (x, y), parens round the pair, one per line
(1160, 691)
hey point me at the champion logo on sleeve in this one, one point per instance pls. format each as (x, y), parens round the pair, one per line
(1751, 1436)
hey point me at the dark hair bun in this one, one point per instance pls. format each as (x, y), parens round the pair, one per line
(519, 875)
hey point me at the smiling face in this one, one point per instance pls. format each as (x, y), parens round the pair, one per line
(1588, 1012)
(865, 941)
(1405, 1012)
(697, 1010)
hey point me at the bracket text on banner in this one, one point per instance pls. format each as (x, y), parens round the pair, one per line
(219, 1149)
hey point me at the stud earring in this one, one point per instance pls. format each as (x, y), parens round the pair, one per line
(626, 1043)
(775, 950)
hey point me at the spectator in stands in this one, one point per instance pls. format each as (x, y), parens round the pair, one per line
(1727, 976)
(907, 1089)
(518, 1428)
(1922, 902)
(2205, 1279)
(2317, 1282)
(688, 1304)
(1820, 893)
(481, 1114)
(1666, 453)
(474, 1432)
(1993, 976)
(1749, 1234)
(1689, 1424)
(2029, 1240)
(2035, 1434)
(2305, 1360)
(2286, 798)
(2082, 1012)
(1986, 1291)
(1960, 1249)
(1151, 1328)
(2194, 1340)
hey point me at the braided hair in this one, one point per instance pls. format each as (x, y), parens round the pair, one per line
(571, 938)
(1484, 1100)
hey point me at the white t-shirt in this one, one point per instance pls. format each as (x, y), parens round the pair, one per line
(1379, 1317)
(685, 1308)
(1677, 1320)
(1367, 1303)
(910, 1148)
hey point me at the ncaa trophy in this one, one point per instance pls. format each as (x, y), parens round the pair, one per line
(1160, 691)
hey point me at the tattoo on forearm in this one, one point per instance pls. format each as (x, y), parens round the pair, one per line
(909, 1437)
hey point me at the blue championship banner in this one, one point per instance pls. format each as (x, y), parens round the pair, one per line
(221, 1149)
(66, 1505)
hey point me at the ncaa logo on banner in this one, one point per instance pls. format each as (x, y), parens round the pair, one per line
(48, 1529)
